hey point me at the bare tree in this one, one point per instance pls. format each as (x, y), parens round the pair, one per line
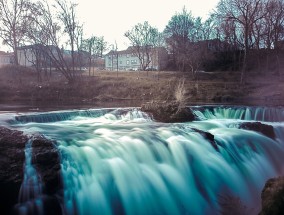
(101, 46)
(274, 31)
(67, 15)
(89, 46)
(45, 31)
(95, 46)
(143, 38)
(178, 36)
(79, 57)
(185, 37)
(244, 14)
(14, 19)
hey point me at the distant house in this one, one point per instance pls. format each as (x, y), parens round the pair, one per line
(45, 56)
(6, 58)
(36, 55)
(128, 59)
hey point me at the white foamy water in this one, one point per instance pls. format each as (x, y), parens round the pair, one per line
(122, 162)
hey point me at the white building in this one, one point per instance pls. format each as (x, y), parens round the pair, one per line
(128, 59)
(6, 58)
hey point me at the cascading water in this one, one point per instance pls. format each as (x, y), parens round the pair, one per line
(30, 201)
(122, 162)
(245, 113)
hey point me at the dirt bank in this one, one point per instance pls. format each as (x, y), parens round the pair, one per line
(105, 86)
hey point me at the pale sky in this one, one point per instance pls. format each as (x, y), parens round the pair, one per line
(112, 18)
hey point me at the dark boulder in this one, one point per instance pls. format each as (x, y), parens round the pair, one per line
(168, 112)
(272, 197)
(208, 136)
(12, 157)
(266, 130)
(46, 160)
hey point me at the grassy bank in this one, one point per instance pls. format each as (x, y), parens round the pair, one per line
(23, 85)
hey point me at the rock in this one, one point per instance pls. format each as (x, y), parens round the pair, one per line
(266, 130)
(168, 112)
(272, 197)
(12, 157)
(46, 160)
(208, 136)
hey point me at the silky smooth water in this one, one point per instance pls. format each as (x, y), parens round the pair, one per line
(122, 162)
(30, 196)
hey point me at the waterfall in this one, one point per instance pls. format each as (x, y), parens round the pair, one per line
(59, 115)
(122, 162)
(245, 113)
(30, 201)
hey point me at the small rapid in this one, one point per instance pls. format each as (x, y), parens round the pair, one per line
(120, 161)
(267, 114)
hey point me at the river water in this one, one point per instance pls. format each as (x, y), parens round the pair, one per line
(120, 161)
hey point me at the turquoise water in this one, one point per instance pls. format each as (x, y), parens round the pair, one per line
(120, 161)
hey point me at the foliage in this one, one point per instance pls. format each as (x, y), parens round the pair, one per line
(185, 37)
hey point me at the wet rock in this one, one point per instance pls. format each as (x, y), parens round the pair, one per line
(208, 136)
(266, 130)
(168, 112)
(272, 197)
(46, 160)
(12, 156)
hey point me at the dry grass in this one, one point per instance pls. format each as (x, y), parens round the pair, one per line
(180, 93)
(22, 84)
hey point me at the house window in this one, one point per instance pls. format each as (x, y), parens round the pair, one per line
(127, 55)
(127, 62)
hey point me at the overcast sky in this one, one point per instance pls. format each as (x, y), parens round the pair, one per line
(112, 18)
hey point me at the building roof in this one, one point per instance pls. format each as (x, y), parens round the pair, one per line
(129, 50)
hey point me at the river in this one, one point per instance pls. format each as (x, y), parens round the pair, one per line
(121, 161)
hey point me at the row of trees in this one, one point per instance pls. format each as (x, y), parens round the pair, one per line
(242, 26)
(239, 27)
(52, 28)
(251, 25)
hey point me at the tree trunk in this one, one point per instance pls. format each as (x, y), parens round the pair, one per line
(243, 67)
